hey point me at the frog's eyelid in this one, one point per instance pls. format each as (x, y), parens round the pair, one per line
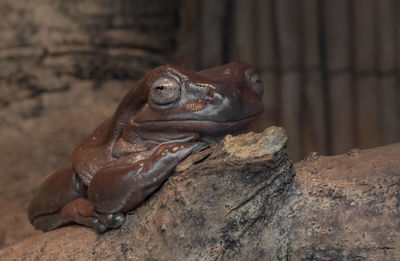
(177, 75)
(167, 75)
(163, 78)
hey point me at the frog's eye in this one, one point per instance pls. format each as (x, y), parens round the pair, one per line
(257, 84)
(164, 91)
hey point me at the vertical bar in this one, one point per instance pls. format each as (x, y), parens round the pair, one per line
(188, 35)
(212, 16)
(243, 31)
(365, 82)
(315, 129)
(266, 60)
(336, 14)
(386, 60)
(289, 41)
(397, 51)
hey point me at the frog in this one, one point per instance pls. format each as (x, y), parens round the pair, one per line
(169, 114)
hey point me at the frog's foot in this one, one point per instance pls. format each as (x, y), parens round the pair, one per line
(81, 211)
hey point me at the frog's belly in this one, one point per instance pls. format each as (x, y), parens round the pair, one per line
(129, 159)
(86, 171)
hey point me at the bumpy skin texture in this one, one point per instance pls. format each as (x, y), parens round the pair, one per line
(168, 115)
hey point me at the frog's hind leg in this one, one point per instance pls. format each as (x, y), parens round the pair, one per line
(61, 200)
(62, 187)
(79, 211)
(49, 222)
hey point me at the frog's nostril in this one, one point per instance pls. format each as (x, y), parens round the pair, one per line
(256, 84)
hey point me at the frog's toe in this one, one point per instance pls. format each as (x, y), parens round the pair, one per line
(113, 220)
(99, 227)
(117, 220)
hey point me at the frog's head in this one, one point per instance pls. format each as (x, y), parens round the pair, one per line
(212, 102)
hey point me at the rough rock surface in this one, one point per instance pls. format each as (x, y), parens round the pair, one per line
(222, 204)
(64, 66)
(347, 207)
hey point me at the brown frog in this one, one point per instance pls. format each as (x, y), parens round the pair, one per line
(168, 115)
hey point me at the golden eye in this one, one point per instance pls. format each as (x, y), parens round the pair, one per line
(164, 91)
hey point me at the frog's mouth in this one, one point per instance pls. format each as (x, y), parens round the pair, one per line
(202, 127)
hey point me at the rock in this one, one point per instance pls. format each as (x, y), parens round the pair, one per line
(224, 204)
(347, 207)
(256, 145)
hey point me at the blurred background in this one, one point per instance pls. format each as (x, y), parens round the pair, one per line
(330, 69)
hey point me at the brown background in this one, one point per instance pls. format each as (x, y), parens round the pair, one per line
(330, 70)
(64, 67)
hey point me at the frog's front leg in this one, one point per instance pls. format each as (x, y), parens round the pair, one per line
(64, 199)
(121, 189)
